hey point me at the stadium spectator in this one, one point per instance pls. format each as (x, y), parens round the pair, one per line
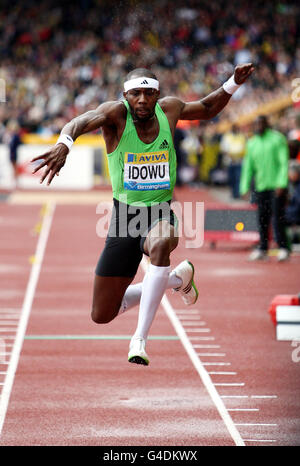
(292, 212)
(266, 160)
(91, 46)
(12, 138)
(233, 145)
(294, 139)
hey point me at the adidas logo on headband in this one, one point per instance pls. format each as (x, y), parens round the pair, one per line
(143, 81)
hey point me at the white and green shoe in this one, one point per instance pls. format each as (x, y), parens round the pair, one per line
(188, 290)
(137, 353)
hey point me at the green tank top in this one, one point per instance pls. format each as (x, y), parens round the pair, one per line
(143, 174)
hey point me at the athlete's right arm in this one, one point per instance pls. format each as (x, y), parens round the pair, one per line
(55, 158)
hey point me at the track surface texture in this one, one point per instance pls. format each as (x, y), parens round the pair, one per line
(72, 383)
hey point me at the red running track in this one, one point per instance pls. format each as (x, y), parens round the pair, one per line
(73, 384)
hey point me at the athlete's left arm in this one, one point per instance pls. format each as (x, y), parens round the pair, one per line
(211, 105)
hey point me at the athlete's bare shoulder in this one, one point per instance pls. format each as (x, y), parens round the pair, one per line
(114, 111)
(171, 103)
(108, 115)
(113, 116)
(172, 107)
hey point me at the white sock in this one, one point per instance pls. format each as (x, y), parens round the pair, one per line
(154, 286)
(174, 281)
(133, 293)
(131, 297)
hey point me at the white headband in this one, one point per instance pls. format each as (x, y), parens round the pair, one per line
(141, 82)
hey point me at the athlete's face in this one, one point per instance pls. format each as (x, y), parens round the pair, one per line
(142, 102)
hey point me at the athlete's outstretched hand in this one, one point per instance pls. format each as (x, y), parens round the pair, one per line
(55, 159)
(242, 72)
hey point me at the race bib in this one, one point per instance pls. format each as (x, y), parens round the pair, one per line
(146, 171)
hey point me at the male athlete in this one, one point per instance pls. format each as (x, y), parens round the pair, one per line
(138, 132)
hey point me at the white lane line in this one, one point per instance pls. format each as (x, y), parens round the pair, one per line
(233, 384)
(202, 338)
(10, 309)
(222, 373)
(189, 323)
(9, 322)
(233, 431)
(191, 330)
(234, 396)
(263, 396)
(206, 346)
(220, 355)
(189, 317)
(260, 440)
(216, 363)
(26, 308)
(9, 316)
(243, 409)
(186, 311)
(256, 424)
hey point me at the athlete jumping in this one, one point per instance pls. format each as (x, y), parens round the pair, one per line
(138, 133)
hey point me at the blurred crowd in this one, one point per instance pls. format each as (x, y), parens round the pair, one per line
(59, 59)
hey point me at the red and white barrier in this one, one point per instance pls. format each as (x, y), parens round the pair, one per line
(285, 314)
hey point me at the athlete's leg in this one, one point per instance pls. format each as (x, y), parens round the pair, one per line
(133, 293)
(115, 271)
(107, 297)
(113, 293)
(159, 243)
(161, 240)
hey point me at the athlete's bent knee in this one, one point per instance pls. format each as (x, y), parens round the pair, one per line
(100, 317)
(160, 248)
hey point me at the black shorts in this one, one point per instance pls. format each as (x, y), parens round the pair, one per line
(124, 245)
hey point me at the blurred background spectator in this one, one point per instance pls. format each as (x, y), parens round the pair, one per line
(233, 145)
(266, 160)
(292, 212)
(12, 138)
(60, 59)
(294, 139)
